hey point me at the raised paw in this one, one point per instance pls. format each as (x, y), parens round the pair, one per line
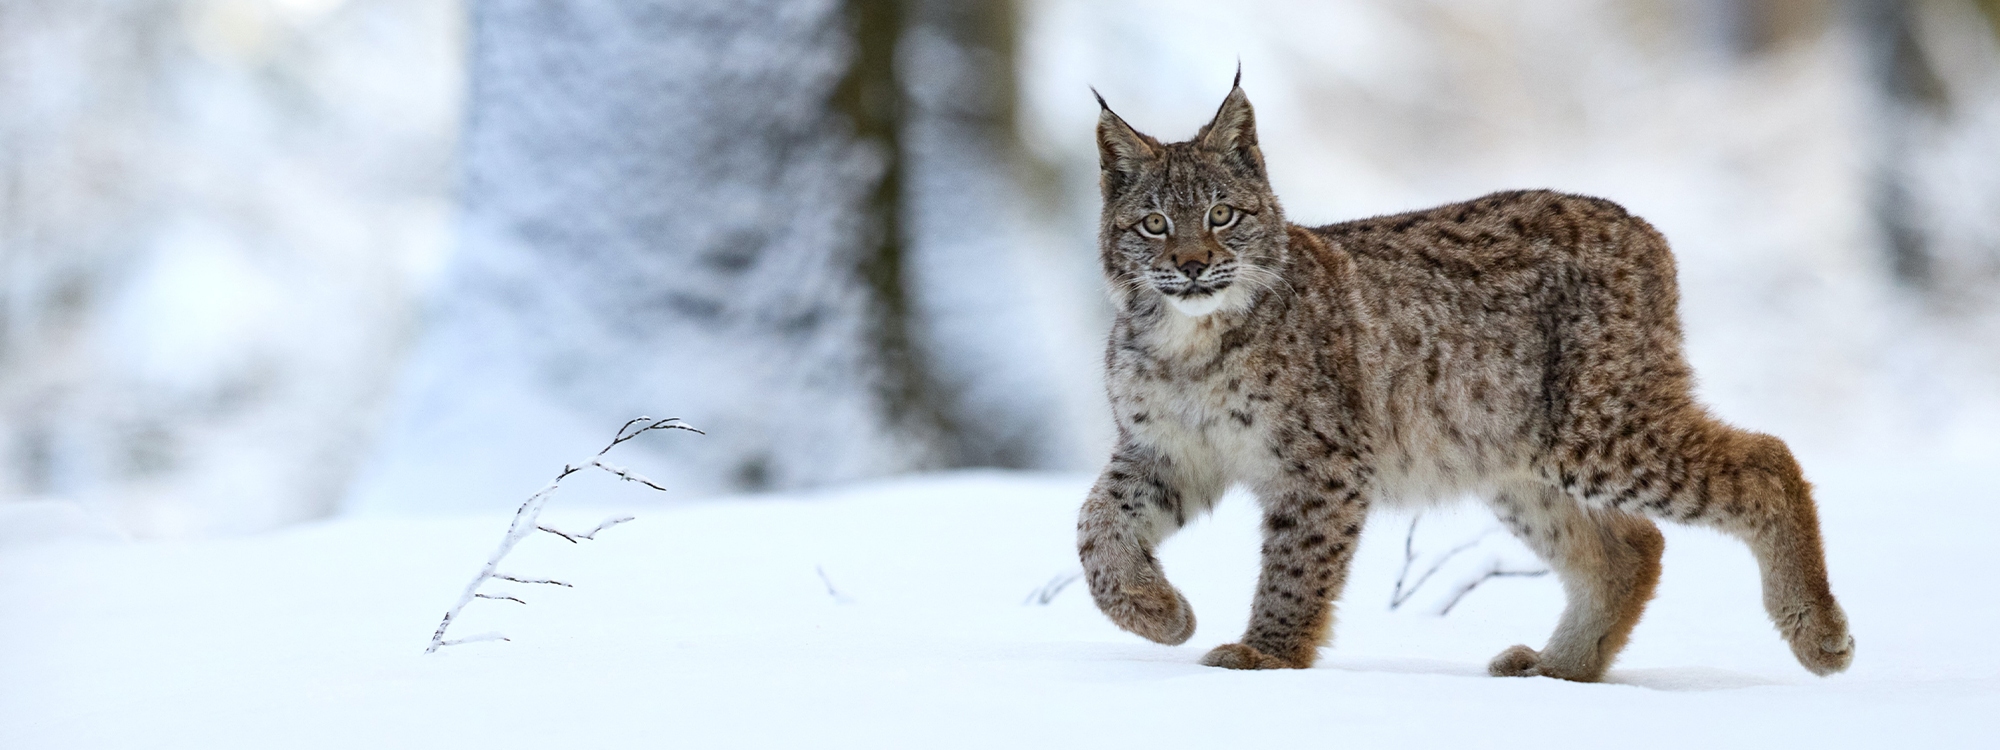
(1240, 656)
(1820, 640)
(1155, 612)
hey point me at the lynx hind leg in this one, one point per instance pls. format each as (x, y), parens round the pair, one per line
(1609, 562)
(1756, 490)
(1748, 485)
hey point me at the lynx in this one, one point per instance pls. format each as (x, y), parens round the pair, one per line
(1524, 347)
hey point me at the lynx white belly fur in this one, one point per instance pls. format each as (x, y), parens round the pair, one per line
(1523, 347)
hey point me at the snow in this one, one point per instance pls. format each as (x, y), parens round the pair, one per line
(892, 614)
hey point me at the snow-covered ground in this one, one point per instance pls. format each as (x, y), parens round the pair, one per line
(709, 625)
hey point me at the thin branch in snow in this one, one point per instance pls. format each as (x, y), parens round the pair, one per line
(1493, 571)
(505, 577)
(610, 522)
(573, 537)
(1048, 592)
(1396, 597)
(830, 590)
(625, 474)
(477, 639)
(1402, 594)
(526, 522)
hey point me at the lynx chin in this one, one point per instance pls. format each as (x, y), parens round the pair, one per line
(1524, 348)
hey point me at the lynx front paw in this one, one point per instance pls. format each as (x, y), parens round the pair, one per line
(1156, 612)
(1240, 656)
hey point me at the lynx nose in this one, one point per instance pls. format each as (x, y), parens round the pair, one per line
(1192, 269)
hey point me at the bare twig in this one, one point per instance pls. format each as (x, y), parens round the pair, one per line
(1396, 597)
(573, 537)
(1048, 592)
(1492, 572)
(1402, 594)
(625, 474)
(566, 535)
(610, 522)
(830, 590)
(476, 639)
(502, 596)
(505, 577)
(526, 522)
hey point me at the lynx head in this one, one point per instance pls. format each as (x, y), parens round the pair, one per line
(1193, 223)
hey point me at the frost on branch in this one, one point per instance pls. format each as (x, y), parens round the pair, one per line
(527, 521)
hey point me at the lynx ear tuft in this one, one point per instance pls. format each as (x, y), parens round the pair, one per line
(1121, 151)
(1233, 132)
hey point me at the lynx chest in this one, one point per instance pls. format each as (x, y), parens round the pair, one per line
(1211, 420)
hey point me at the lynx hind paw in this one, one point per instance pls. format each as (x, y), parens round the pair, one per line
(1521, 661)
(1821, 641)
(1832, 656)
(1516, 661)
(1157, 613)
(1240, 656)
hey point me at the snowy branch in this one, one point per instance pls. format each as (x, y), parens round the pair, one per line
(592, 534)
(625, 474)
(527, 521)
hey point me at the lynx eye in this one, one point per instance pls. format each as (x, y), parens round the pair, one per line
(1154, 225)
(1221, 215)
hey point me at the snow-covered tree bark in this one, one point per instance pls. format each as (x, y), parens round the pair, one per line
(793, 222)
(671, 206)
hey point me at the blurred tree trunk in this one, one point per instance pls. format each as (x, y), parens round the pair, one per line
(989, 301)
(1909, 90)
(686, 209)
(1932, 70)
(871, 98)
(1935, 65)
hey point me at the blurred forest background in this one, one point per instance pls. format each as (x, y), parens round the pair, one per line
(263, 261)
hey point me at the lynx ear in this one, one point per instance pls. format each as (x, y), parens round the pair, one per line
(1120, 150)
(1233, 132)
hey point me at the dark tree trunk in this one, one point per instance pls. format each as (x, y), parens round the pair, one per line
(992, 301)
(1910, 90)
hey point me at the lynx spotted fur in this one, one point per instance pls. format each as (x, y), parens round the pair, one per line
(1524, 347)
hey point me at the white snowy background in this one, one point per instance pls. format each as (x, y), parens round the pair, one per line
(234, 499)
